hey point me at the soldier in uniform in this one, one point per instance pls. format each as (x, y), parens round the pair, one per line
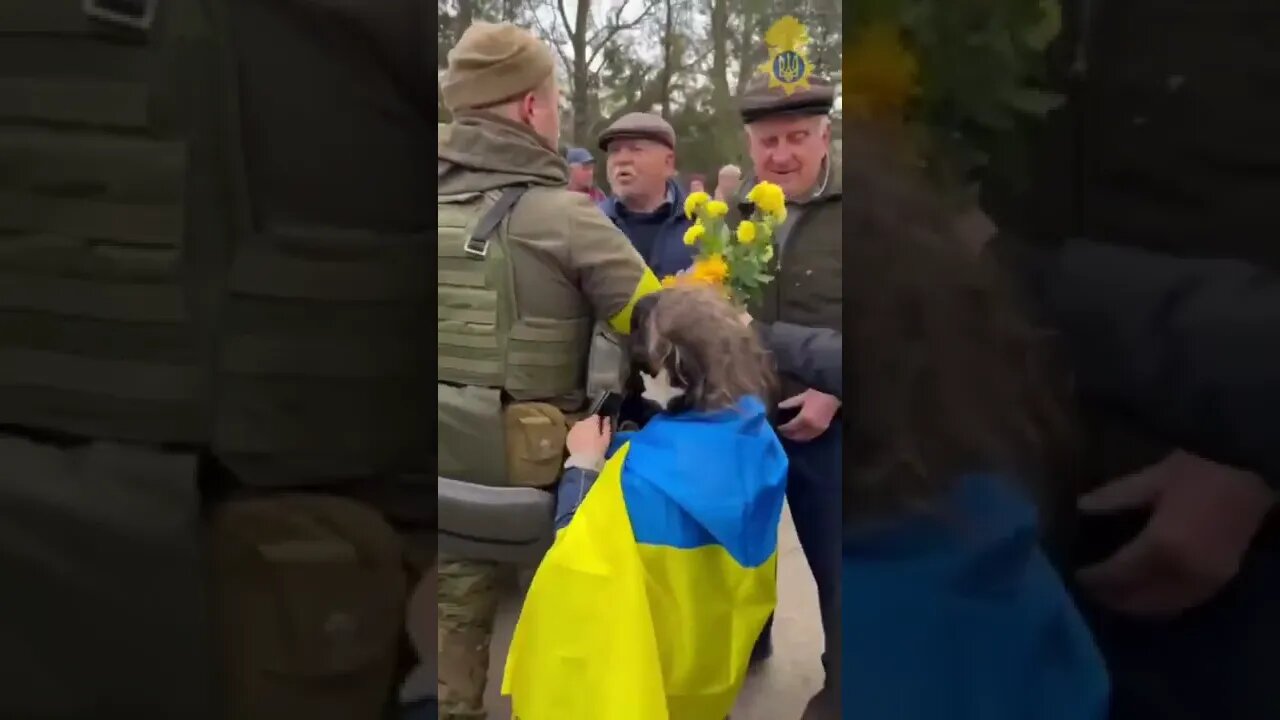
(526, 267)
(183, 199)
(789, 141)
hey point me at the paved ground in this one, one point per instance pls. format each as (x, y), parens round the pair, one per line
(776, 691)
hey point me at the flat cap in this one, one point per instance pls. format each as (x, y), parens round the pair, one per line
(642, 126)
(760, 101)
(493, 62)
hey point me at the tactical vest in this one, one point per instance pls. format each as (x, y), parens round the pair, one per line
(488, 351)
(323, 350)
(106, 211)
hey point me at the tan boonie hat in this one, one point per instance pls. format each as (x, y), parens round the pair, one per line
(641, 126)
(760, 101)
(493, 62)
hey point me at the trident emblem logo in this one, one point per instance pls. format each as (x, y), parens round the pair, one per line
(788, 65)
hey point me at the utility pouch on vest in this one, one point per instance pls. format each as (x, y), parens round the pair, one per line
(469, 434)
(310, 595)
(535, 434)
(104, 585)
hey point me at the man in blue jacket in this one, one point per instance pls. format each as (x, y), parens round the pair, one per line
(647, 204)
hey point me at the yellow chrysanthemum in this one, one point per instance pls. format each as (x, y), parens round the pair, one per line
(768, 197)
(880, 73)
(780, 216)
(694, 234)
(693, 202)
(712, 270)
(670, 281)
(746, 232)
(717, 209)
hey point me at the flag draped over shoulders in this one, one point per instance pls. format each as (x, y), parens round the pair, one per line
(649, 602)
(958, 614)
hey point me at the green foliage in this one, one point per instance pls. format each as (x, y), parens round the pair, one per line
(981, 81)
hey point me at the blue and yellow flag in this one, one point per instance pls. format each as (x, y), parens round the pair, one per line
(649, 603)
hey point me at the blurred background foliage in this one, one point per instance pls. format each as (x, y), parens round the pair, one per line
(962, 80)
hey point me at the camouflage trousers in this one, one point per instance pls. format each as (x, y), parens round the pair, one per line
(467, 599)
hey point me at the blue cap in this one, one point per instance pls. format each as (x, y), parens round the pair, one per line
(579, 156)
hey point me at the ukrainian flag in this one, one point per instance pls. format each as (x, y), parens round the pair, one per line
(648, 604)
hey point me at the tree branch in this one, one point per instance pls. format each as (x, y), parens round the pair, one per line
(611, 30)
(564, 17)
(649, 95)
(595, 36)
(553, 41)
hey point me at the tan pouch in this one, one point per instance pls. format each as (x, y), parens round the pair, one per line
(536, 434)
(310, 598)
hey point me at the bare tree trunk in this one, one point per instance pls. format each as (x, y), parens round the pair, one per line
(827, 57)
(668, 47)
(721, 100)
(746, 50)
(466, 15)
(720, 56)
(581, 111)
(587, 47)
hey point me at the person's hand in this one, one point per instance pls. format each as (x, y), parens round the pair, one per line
(589, 439)
(1204, 517)
(746, 318)
(816, 412)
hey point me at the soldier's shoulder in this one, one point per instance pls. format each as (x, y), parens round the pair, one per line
(559, 196)
(563, 209)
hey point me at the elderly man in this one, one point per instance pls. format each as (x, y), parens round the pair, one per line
(789, 138)
(582, 174)
(728, 180)
(647, 203)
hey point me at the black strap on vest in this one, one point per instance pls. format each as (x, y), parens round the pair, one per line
(478, 245)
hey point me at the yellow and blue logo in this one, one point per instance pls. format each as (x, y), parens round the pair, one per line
(788, 66)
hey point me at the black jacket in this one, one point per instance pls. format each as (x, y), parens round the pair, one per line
(813, 356)
(1189, 348)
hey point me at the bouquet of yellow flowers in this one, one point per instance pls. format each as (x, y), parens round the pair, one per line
(737, 261)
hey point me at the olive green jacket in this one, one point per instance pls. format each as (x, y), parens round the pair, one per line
(569, 260)
(807, 287)
(807, 284)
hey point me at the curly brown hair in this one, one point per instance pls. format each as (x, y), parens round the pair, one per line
(949, 377)
(700, 339)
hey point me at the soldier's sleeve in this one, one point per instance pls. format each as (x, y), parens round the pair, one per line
(611, 273)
